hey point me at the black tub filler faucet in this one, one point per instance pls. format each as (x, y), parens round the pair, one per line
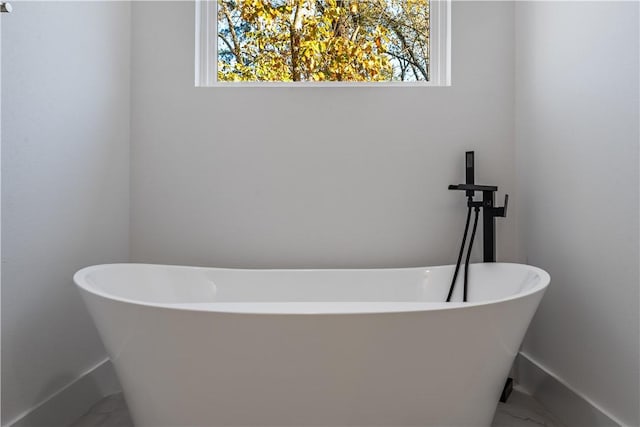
(489, 214)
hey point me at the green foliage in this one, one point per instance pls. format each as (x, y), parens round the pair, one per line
(323, 40)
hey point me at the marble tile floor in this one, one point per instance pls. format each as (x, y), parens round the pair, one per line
(520, 411)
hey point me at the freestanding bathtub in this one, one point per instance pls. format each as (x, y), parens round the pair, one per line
(228, 347)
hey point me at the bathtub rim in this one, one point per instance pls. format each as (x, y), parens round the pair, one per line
(347, 308)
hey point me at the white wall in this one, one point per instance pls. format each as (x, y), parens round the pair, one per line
(65, 177)
(577, 146)
(316, 177)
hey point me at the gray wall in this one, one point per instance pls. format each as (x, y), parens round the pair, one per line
(65, 178)
(577, 145)
(314, 177)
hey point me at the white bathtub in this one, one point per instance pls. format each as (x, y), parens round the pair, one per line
(226, 347)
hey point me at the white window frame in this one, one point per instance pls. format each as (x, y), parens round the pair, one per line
(206, 55)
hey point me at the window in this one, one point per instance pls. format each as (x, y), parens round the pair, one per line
(322, 42)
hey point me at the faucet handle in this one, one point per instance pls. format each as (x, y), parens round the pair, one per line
(502, 212)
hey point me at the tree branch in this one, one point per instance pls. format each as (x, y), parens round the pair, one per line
(234, 37)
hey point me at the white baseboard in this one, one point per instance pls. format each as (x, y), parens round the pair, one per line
(568, 405)
(70, 402)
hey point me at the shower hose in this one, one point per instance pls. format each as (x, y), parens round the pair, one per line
(470, 204)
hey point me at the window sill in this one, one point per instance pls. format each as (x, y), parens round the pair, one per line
(322, 84)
